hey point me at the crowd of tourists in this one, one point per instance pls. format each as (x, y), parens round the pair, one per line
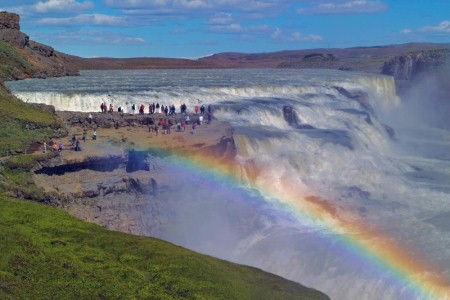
(168, 119)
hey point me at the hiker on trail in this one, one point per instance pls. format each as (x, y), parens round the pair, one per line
(196, 109)
(200, 120)
(84, 135)
(94, 135)
(188, 120)
(111, 110)
(202, 109)
(60, 146)
(45, 147)
(194, 125)
(133, 108)
(77, 145)
(209, 108)
(54, 147)
(73, 140)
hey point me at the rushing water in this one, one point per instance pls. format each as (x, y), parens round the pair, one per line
(336, 144)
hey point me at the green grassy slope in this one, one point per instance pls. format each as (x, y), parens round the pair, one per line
(47, 254)
(21, 124)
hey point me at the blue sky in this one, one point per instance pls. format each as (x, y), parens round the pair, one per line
(196, 28)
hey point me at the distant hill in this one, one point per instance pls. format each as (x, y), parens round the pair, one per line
(365, 59)
(42, 60)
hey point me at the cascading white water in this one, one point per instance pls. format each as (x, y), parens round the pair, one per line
(337, 147)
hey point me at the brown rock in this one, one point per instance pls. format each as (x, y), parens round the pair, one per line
(9, 20)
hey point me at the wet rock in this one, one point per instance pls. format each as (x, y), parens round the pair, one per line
(361, 97)
(290, 116)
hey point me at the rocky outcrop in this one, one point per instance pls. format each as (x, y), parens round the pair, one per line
(43, 61)
(14, 37)
(10, 30)
(359, 96)
(41, 49)
(409, 66)
(9, 21)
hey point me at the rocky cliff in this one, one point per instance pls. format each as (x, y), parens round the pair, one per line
(121, 179)
(41, 60)
(410, 65)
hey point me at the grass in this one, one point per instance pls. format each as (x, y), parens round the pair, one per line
(22, 124)
(47, 254)
(11, 59)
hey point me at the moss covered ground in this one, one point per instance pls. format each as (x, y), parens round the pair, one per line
(47, 254)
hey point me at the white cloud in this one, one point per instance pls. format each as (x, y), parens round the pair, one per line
(92, 38)
(62, 5)
(443, 27)
(298, 37)
(217, 5)
(230, 28)
(406, 31)
(348, 7)
(280, 36)
(277, 34)
(220, 19)
(85, 19)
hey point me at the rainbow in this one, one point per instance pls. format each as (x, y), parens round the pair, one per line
(412, 274)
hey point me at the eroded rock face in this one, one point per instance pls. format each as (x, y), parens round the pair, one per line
(120, 191)
(408, 66)
(43, 60)
(9, 20)
(10, 30)
(41, 49)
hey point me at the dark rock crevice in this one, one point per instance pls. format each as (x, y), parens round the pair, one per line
(97, 165)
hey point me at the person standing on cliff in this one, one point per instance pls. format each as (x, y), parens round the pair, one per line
(77, 145)
(54, 147)
(194, 125)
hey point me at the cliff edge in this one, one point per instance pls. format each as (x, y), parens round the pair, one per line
(36, 59)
